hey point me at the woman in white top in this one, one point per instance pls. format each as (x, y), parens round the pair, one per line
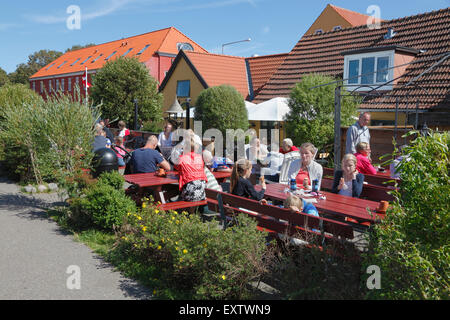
(348, 182)
(305, 168)
(165, 141)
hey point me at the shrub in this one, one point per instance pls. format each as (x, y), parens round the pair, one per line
(106, 205)
(113, 179)
(411, 246)
(221, 108)
(196, 258)
(55, 134)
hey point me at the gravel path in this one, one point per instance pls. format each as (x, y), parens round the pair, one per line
(39, 261)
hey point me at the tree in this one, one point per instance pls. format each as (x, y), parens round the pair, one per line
(221, 108)
(119, 83)
(311, 118)
(78, 47)
(36, 61)
(3, 77)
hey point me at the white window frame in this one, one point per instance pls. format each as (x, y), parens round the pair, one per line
(62, 85)
(69, 84)
(375, 84)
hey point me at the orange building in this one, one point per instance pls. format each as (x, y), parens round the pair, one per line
(334, 18)
(157, 50)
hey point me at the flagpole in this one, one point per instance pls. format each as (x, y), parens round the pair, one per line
(86, 87)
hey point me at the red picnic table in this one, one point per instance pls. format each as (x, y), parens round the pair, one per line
(158, 184)
(335, 205)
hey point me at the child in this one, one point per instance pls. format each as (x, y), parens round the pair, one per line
(239, 183)
(348, 182)
(120, 153)
(299, 205)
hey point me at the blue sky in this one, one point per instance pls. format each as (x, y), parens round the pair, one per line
(273, 26)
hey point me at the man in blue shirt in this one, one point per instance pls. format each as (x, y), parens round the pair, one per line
(147, 159)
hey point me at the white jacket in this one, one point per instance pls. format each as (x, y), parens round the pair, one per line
(315, 170)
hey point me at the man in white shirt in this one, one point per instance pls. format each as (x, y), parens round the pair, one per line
(358, 132)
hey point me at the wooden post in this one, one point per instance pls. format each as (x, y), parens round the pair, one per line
(337, 128)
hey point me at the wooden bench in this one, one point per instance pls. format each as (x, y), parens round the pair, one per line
(276, 220)
(377, 180)
(369, 192)
(179, 205)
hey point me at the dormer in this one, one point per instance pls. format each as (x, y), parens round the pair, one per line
(380, 67)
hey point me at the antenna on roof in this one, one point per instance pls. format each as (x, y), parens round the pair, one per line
(390, 34)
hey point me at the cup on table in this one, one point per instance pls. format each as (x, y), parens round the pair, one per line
(383, 207)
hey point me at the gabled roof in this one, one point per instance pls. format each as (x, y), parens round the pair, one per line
(352, 17)
(323, 54)
(214, 70)
(262, 68)
(160, 41)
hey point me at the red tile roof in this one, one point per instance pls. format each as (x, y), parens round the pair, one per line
(164, 40)
(352, 17)
(221, 69)
(322, 54)
(262, 68)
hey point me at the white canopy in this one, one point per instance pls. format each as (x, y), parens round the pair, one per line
(272, 110)
(248, 105)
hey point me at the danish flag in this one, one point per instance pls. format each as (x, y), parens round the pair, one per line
(86, 84)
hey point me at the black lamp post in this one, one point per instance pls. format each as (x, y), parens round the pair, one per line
(188, 113)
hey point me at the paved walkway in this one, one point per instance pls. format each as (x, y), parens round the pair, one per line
(35, 254)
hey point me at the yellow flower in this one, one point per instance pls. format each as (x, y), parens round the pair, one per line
(204, 245)
(176, 248)
(144, 205)
(176, 242)
(144, 228)
(156, 211)
(159, 247)
(128, 214)
(185, 251)
(173, 218)
(223, 277)
(181, 259)
(139, 218)
(154, 292)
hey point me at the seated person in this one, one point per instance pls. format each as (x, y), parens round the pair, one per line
(272, 163)
(363, 163)
(239, 183)
(287, 146)
(297, 204)
(124, 132)
(192, 181)
(216, 163)
(165, 141)
(108, 132)
(119, 152)
(306, 169)
(348, 181)
(147, 159)
(100, 140)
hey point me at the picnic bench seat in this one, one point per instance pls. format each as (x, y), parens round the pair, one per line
(178, 205)
(370, 191)
(276, 220)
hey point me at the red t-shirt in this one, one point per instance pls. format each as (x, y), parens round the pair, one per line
(293, 148)
(302, 175)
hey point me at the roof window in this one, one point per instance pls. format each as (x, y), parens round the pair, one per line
(50, 66)
(86, 60)
(62, 64)
(97, 58)
(110, 56)
(127, 52)
(142, 51)
(75, 62)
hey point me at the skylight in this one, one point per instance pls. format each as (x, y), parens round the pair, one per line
(97, 58)
(75, 62)
(109, 57)
(86, 60)
(62, 64)
(127, 52)
(50, 66)
(142, 51)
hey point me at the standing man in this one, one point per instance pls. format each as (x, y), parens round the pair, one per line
(357, 133)
(147, 159)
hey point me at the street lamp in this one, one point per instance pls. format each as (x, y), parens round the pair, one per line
(226, 44)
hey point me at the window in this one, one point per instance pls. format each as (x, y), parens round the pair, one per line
(42, 86)
(142, 51)
(97, 58)
(62, 64)
(109, 57)
(369, 69)
(337, 28)
(62, 85)
(318, 31)
(184, 88)
(34, 85)
(185, 46)
(127, 52)
(50, 85)
(57, 85)
(75, 62)
(50, 66)
(86, 60)
(69, 85)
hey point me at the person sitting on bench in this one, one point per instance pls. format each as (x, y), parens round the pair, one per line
(239, 183)
(348, 181)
